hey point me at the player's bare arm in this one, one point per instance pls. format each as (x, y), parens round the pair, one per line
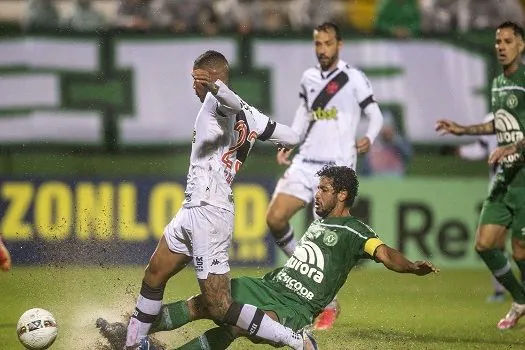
(445, 126)
(395, 261)
(503, 151)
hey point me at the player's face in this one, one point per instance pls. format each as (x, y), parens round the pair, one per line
(508, 46)
(327, 48)
(325, 197)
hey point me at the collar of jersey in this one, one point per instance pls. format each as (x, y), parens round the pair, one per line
(340, 65)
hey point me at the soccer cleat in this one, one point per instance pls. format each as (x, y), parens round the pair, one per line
(511, 318)
(327, 318)
(309, 342)
(115, 333)
(5, 257)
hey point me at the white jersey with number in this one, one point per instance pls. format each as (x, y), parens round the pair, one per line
(328, 116)
(222, 140)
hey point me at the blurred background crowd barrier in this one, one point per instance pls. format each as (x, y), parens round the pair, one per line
(97, 112)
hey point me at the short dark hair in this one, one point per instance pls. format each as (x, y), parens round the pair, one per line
(325, 26)
(210, 59)
(343, 179)
(516, 28)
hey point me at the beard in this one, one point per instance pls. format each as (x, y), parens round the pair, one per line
(326, 61)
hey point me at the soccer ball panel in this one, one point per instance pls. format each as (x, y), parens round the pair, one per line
(37, 329)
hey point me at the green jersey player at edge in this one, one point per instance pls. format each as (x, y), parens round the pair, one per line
(504, 208)
(297, 292)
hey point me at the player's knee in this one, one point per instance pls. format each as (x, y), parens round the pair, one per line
(485, 240)
(482, 245)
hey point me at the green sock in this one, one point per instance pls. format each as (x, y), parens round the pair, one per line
(521, 266)
(218, 338)
(171, 316)
(500, 267)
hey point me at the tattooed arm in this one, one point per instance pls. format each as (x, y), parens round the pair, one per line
(520, 146)
(481, 129)
(499, 154)
(450, 127)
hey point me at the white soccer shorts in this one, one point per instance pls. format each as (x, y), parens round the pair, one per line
(300, 180)
(204, 233)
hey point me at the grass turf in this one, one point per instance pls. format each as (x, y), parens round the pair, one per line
(380, 309)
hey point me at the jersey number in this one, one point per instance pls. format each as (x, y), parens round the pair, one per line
(235, 165)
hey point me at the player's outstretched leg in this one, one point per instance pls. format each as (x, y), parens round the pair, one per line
(499, 265)
(5, 257)
(517, 309)
(281, 209)
(309, 342)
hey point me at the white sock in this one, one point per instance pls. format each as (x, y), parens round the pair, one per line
(256, 322)
(288, 243)
(141, 320)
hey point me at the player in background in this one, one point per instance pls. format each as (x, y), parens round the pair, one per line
(225, 130)
(481, 149)
(504, 207)
(5, 257)
(295, 293)
(333, 96)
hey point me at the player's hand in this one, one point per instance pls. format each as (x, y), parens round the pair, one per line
(363, 145)
(203, 77)
(445, 126)
(283, 156)
(422, 268)
(501, 152)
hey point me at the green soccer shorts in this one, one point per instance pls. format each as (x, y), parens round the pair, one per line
(506, 210)
(260, 293)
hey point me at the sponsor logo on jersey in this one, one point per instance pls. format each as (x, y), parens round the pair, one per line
(294, 285)
(308, 260)
(508, 130)
(325, 114)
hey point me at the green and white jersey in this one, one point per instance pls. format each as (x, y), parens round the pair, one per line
(326, 253)
(508, 106)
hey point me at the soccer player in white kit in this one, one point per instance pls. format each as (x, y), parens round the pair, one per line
(225, 131)
(333, 97)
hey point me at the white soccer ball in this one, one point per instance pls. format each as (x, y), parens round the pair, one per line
(37, 329)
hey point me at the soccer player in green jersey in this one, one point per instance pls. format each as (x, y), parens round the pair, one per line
(504, 208)
(297, 292)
